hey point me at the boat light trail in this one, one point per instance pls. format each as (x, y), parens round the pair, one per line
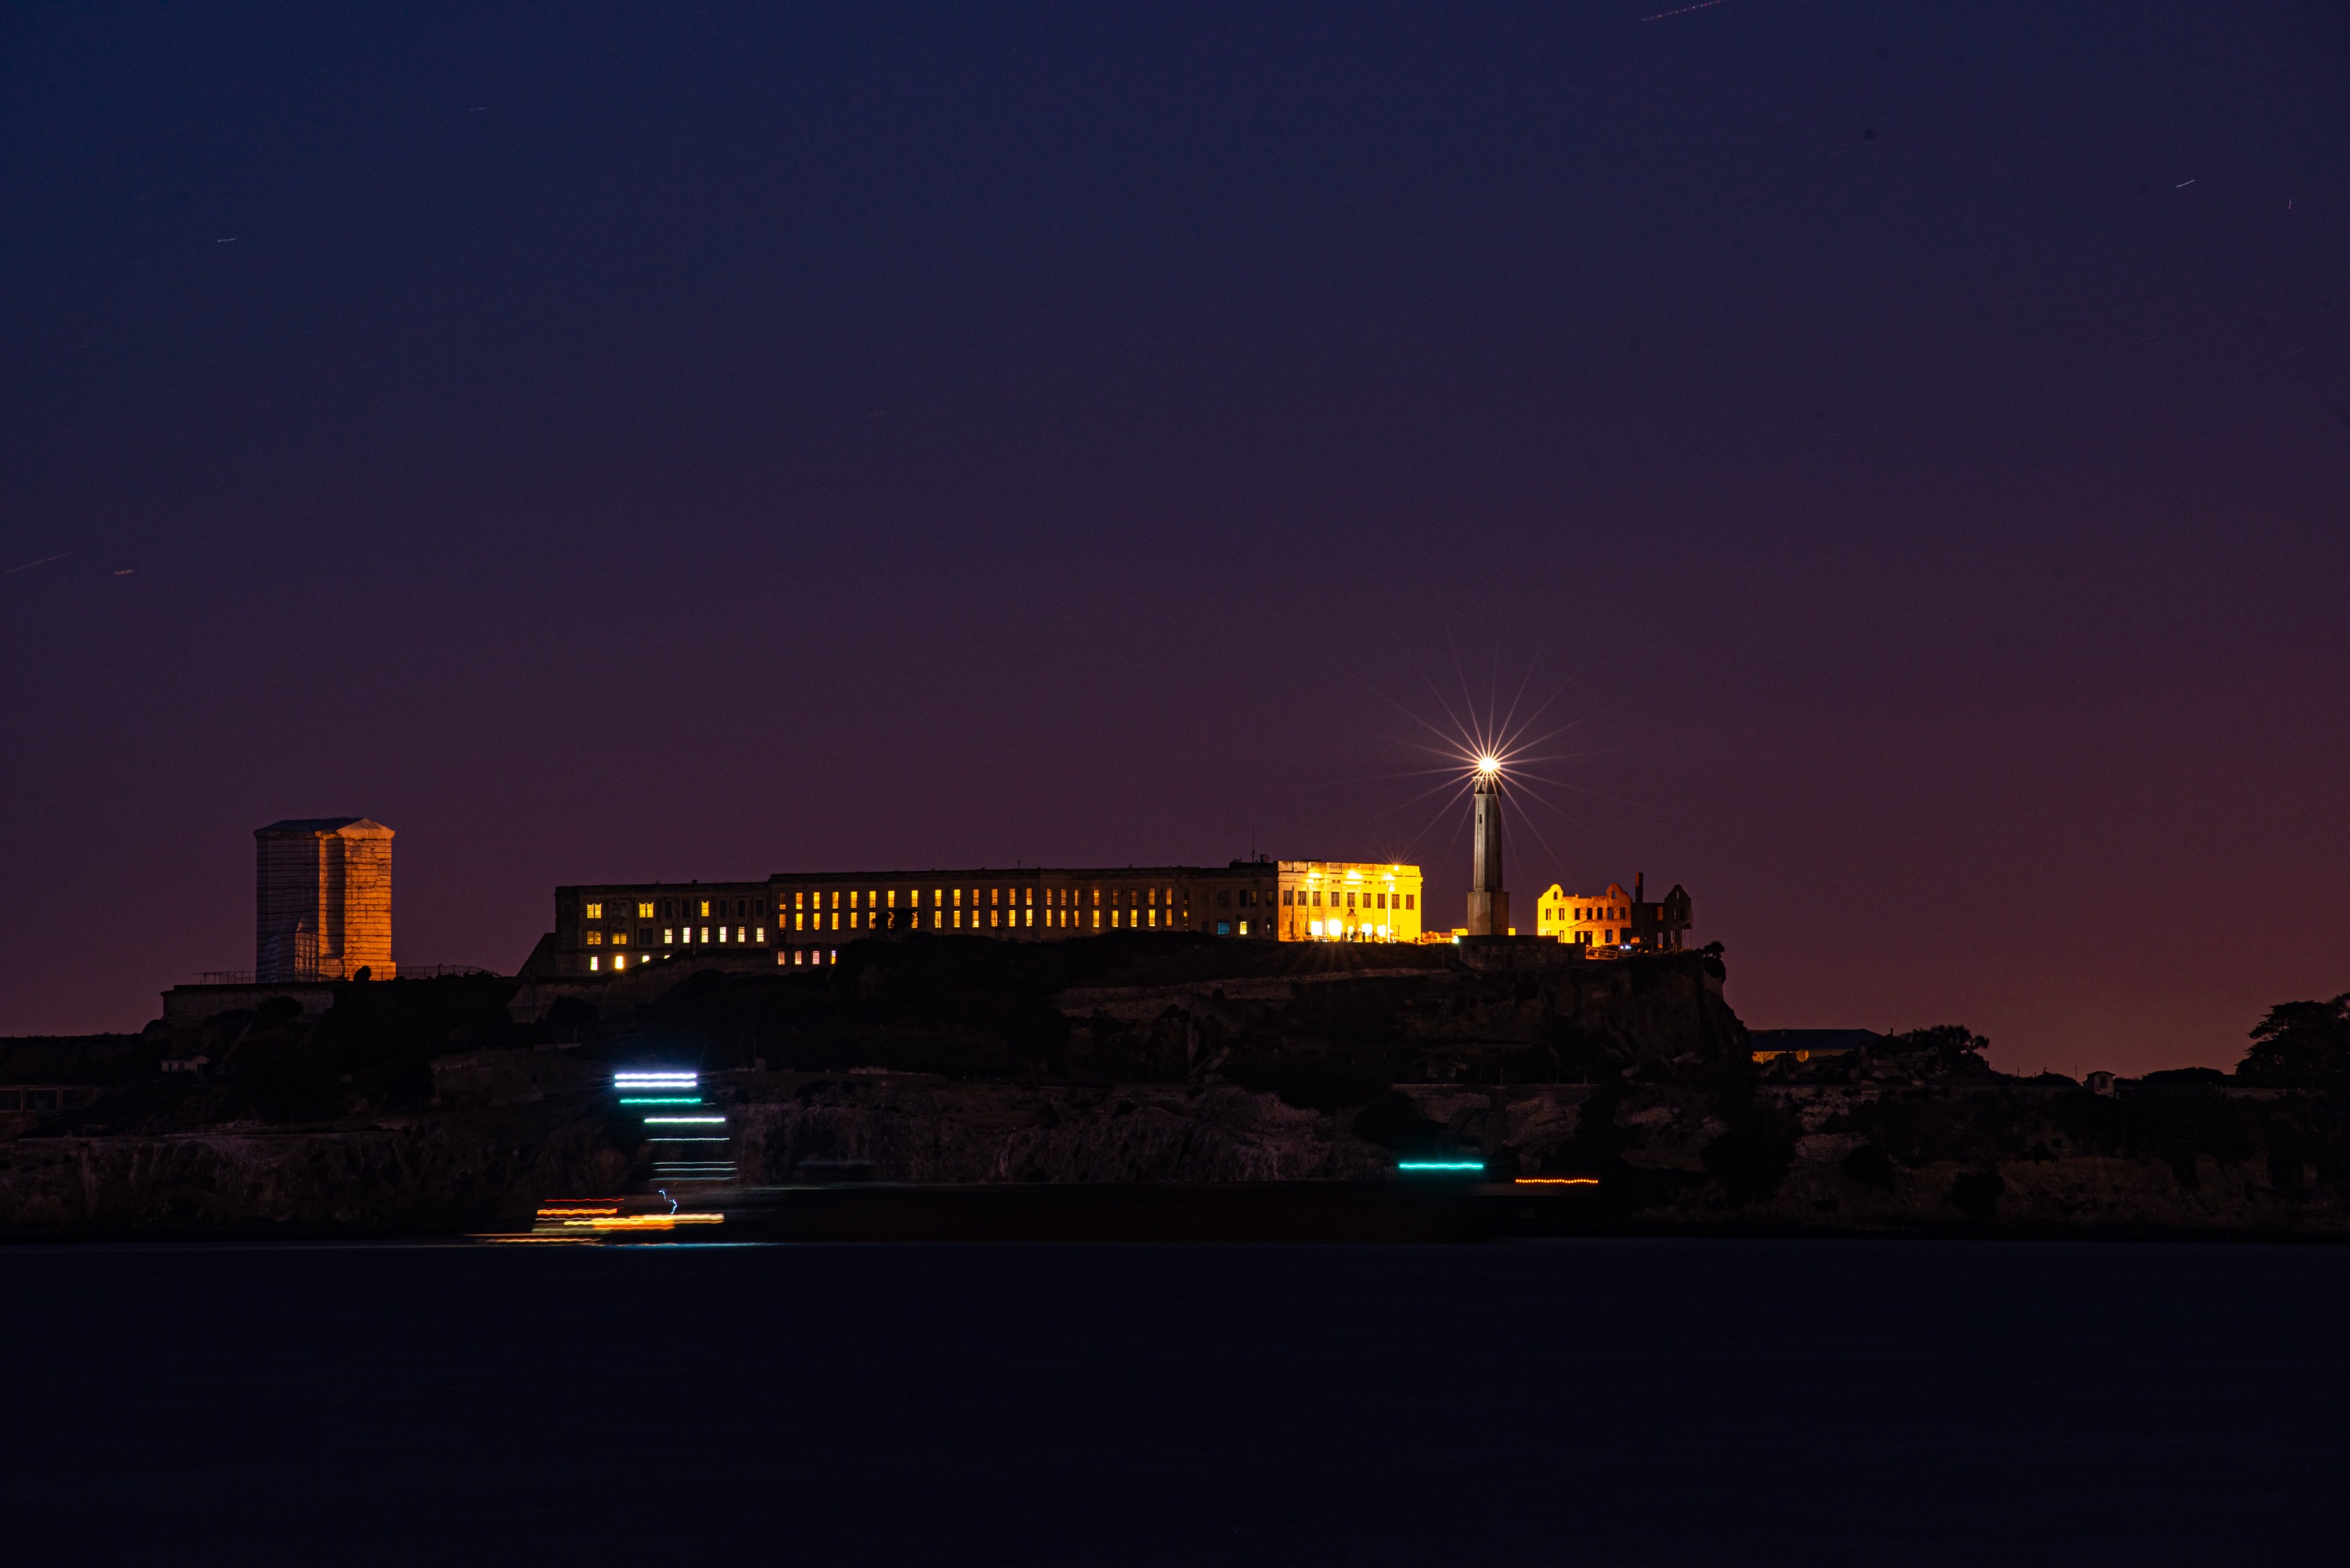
(650, 1222)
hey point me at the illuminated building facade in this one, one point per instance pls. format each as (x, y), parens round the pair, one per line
(610, 928)
(322, 900)
(1348, 901)
(1616, 921)
(797, 919)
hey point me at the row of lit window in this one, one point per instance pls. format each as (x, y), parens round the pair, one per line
(655, 909)
(992, 897)
(783, 955)
(1592, 912)
(941, 898)
(681, 934)
(1312, 896)
(1607, 935)
(877, 919)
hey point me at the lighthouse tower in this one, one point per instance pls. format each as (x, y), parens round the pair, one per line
(1489, 905)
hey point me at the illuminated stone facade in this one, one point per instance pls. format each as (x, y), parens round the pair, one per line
(1616, 921)
(322, 900)
(1349, 900)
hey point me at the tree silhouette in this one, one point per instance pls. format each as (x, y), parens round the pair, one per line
(2301, 1037)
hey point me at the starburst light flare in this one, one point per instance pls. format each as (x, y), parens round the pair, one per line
(1498, 745)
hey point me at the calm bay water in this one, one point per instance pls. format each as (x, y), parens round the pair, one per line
(1586, 1402)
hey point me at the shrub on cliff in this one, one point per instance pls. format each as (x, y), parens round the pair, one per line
(370, 1054)
(2179, 1117)
(1942, 1049)
(1922, 1128)
(1977, 1193)
(1347, 1013)
(2301, 1037)
(1753, 1157)
(921, 1005)
(2175, 1116)
(1393, 1120)
(1314, 1083)
(1869, 1166)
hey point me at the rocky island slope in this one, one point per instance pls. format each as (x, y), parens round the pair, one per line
(446, 1106)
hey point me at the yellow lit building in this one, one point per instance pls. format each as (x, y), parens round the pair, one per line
(796, 920)
(1615, 921)
(1348, 901)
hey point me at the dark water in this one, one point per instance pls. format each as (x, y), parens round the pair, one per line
(1601, 1402)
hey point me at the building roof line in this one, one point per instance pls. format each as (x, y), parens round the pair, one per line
(296, 826)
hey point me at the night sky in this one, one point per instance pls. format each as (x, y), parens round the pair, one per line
(1909, 446)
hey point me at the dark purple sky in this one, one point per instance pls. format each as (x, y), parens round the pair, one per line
(626, 442)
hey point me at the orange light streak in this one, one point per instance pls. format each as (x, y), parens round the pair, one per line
(1556, 1181)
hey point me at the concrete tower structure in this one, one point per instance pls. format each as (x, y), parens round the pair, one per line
(1489, 905)
(322, 900)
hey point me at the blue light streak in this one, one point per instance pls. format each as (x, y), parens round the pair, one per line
(1439, 1165)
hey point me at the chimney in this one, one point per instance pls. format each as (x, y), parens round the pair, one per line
(1639, 881)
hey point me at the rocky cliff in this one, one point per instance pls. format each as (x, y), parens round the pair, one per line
(430, 1175)
(1999, 1156)
(424, 1107)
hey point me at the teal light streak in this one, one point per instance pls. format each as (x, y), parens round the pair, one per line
(1439, 1165)
(664, 1100)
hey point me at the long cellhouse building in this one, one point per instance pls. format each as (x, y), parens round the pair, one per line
(794, 919)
